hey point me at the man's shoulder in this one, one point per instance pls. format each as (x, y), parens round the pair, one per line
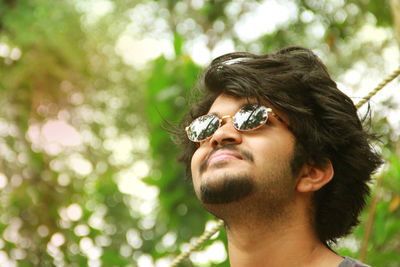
(349, 262)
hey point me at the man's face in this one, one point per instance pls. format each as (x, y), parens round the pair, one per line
(234, 165)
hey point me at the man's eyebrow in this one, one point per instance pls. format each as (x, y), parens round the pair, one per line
(214, 113)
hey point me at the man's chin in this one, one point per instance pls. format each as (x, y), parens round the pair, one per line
(227, 190)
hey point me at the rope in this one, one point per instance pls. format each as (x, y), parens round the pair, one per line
(372, 211)
(370, 221)
(207, 234)
(378, 88)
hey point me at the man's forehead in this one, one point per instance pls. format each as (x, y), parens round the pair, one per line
(225, 100)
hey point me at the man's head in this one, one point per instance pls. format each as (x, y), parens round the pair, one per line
(250, 167)
(323, 130)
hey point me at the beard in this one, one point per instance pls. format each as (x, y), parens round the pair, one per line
(265, 193)
(228, 188)
(244, 194)
(232, 189)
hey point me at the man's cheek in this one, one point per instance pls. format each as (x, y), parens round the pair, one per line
(195, 164)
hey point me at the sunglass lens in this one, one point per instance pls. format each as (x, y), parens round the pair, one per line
(203, 127)
(250, 117)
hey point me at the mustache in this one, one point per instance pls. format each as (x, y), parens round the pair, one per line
(244, 153)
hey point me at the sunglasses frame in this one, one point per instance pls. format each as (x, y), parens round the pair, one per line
(269, 110)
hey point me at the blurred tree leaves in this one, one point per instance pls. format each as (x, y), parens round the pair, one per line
(77, 196)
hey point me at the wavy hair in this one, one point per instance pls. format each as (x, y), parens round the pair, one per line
(323, 120)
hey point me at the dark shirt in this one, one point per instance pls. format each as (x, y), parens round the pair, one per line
(349, 262)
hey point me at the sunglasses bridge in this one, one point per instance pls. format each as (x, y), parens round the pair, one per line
(226, 117)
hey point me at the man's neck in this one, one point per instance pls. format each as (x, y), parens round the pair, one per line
(293, 243)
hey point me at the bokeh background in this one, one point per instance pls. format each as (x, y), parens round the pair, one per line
(88, 177)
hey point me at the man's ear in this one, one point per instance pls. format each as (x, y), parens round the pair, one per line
(312, 178)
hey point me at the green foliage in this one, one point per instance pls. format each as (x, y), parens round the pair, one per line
(88, 175)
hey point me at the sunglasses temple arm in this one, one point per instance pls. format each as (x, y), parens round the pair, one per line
(281, 120)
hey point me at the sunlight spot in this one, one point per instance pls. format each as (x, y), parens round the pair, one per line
(74, 212)
(57, 239)
(121, 148)
(163, 262)
(350, 243)
(129, 182)
(58, 131)
(94, 9)
(81, 230)
(340, 16)
(219, 26)
(264, 18)
(53, 136)
(110, 229)
(223, 47)
(43, 230)
(306, 16)
(352, 77)
(316, 29)
(209, 225)
(15, 54)
(370, 33)
(137, 52)
(3, 127)
(76, 98)
(94, 253)
(147, 222)
(215, 253)
(133, 238)
(6, 261)
(73, 248)
(145, 260)
(4, 50)
(148, 205)
(79, 164)
(233, 8)
(197, 4)
(11, 233)
(63, 179)
(96, 221)
(169, 239)
(86, 243)
(186, 26)
(7, 153)
(181, 7)
(125, 250)
(141, 144)
(89, 249)
(103, 240)
(3, 181)
(198, 50)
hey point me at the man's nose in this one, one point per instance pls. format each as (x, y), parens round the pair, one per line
(226, 134)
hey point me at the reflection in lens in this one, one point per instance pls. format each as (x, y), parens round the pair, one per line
(203, 127)
(250, 117)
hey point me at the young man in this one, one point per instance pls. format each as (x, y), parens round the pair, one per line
(278, 152)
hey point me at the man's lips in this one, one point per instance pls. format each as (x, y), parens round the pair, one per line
(227, 152)
(223, 154)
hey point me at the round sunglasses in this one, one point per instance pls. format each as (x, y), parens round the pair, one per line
(248, 118)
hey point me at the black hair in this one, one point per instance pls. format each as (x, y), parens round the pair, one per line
(323, 119)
